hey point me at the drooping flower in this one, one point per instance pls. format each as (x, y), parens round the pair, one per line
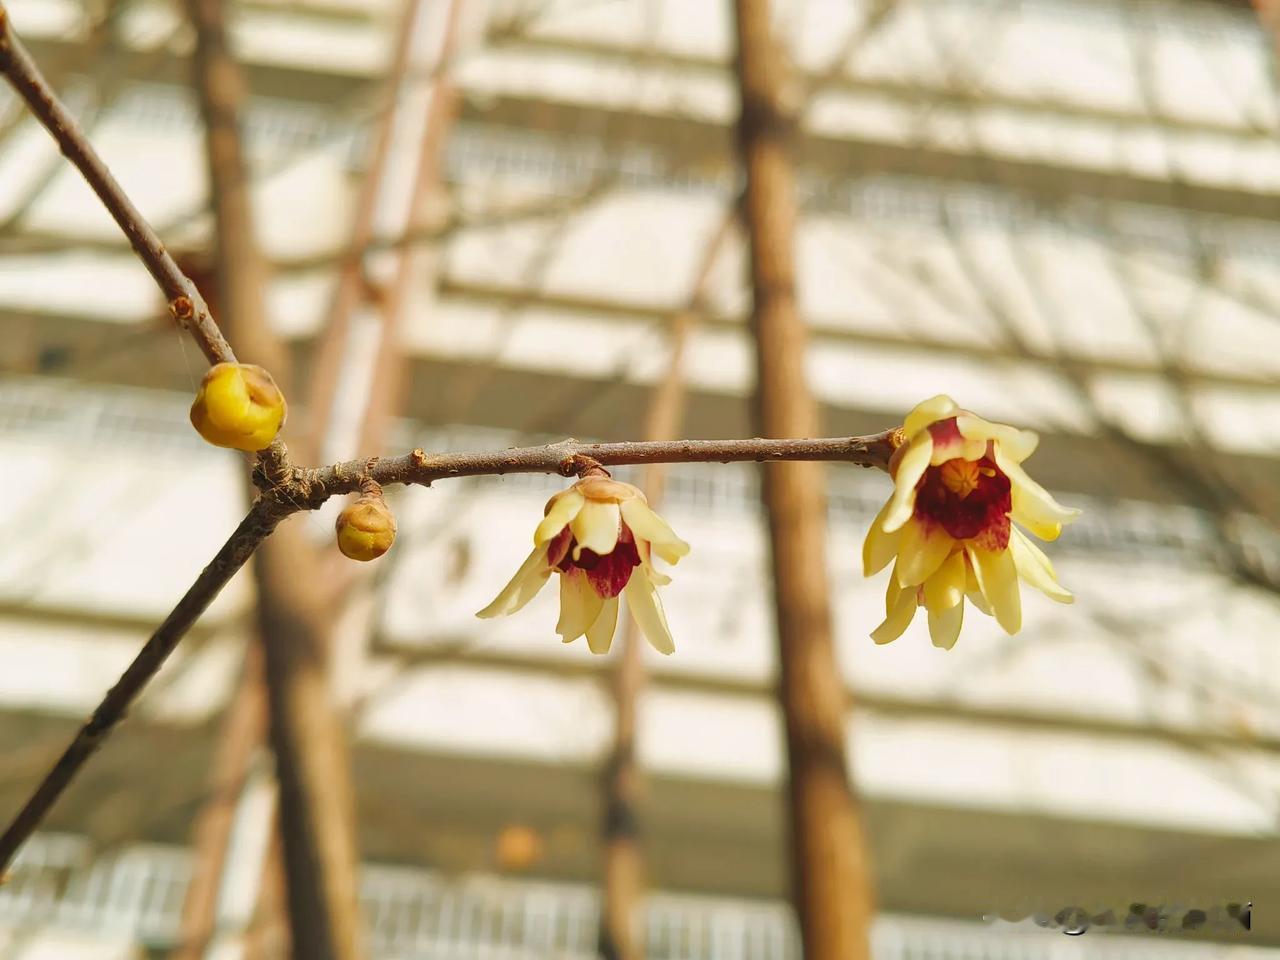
(238, 406)
(959, 490)
(599, 536)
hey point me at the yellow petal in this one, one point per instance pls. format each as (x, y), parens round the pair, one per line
(998, 579)
(561, 510)
(978, 600)
(962, 448)
(646, 608)
(1016, 444)
(879, 547)
(522, 588)
(1033, 506)
(945, 589)
(606, 488)
(927, 412)
(974, 592)
(1034, 567)
(596, 527)
(921, 552)
(658, 579)
(944, 625)
(910, 469)
(579, 605)
(647, 525)
(899, 618)
(226, 396)
(600, 633)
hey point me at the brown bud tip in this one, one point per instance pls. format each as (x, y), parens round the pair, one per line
(182, 309)
(366, 528)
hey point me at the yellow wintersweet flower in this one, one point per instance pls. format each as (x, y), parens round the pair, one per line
(598, 535)
(238, 406)
(959, 487)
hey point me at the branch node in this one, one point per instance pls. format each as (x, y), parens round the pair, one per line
(182, 310)
(370, 487)
(581, 466)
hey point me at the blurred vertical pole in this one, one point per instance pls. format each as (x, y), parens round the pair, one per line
(239, 738)
(356, 391)
(620, 930)
(1269, 13)
(831, 884)
(294, 615)
(348, 292)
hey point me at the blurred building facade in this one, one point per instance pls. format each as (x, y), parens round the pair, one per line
(1061, 212)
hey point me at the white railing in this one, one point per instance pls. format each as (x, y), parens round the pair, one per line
(59, 884)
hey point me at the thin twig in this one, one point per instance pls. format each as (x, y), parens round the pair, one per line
(314, 487)
(185, 302)
(253, 529)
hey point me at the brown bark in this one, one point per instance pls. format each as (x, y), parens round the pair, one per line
(305, 730)
(831, 884)
(620, 933)
(242, 732)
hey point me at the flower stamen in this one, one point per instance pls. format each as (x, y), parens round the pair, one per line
(961, 477)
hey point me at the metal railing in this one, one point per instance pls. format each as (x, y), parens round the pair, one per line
(59, 883)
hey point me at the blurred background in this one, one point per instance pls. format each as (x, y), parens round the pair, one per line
(1064, 213)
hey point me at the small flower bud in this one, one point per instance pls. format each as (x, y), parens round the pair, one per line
(238, 406)
(366, 528)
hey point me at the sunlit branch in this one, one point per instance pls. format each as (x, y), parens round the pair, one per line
(253, 529)
(185, 302)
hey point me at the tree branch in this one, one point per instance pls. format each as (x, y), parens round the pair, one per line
(185, 302)
(253, 529)
(568, 457)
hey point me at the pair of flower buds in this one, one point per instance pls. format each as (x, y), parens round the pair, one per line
(948, 528)
(240, 406)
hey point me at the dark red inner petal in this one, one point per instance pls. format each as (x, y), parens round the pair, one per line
(607, 573)
(983, 513)
(945, 431)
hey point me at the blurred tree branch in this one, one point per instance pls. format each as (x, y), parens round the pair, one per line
(622, 777)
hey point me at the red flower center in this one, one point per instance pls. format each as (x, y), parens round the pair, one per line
(607, 573)
(969, 498)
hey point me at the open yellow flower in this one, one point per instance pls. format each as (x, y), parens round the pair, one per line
(238, 406)
(959, 487)
(599, 536)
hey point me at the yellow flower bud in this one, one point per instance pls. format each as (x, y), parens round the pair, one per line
(238, 406)
(366, 529)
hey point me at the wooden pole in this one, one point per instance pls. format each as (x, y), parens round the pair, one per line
(620, 934)
(294, 619)
(242, 733)
(831, 885)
